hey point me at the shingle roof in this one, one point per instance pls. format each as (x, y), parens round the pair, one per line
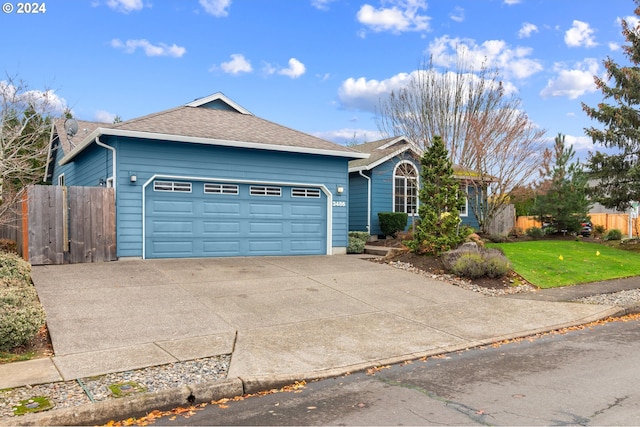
(195, 122)
(380, 151)
(69, 142)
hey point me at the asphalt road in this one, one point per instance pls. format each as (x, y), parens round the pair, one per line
(582, 377)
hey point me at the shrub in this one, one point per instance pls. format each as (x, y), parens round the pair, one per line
(7, 245)
(21, 315)
(483, 263)
(534, 232)
(613, 234)
(498, 238)
(357, 241)
(392, 222)
(599, 230)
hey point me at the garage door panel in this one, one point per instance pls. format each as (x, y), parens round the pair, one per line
(212, 224)
(221, 227)
(226, 208)
(173, 207)
(172, 227)
(217, 248)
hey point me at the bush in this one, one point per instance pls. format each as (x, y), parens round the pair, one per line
(483, 263)
(534, 232)
(7, 245)
(613, 234)
(21, 315)
(357, 241)
(599, 230)
(392, 222)
(498, 238)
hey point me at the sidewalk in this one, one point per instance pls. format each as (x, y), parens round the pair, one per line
(284, 319)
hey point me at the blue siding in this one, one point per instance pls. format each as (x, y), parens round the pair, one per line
(146, 158)
(382, 196)
(358, 201)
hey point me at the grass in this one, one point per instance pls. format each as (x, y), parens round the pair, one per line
(6, 357)
(550, 264)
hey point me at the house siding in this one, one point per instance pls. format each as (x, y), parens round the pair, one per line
(358, 201)
(146, 158)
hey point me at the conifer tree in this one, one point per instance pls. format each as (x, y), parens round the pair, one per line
(440, 202)
(617, 171)
(565, 204)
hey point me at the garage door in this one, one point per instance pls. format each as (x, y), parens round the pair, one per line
(202, 219)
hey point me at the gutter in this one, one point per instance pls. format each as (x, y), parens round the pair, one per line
(113, 162)
(368, 199)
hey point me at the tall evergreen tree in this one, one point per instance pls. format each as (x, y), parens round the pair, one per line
(565, 203)
(617, 172)
(440, 202)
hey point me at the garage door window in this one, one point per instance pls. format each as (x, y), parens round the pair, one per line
(181, 187)
(256, 190)
(221, 189)
(305, 192)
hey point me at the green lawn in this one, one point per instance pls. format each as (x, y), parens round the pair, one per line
(550, 264)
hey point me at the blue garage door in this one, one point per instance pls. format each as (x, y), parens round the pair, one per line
(200, 219)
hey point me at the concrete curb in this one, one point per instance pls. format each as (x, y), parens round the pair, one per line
(140, 405)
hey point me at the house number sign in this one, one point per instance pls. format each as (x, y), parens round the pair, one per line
(339, 204)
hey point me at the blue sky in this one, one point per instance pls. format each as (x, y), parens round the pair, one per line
(318, 66)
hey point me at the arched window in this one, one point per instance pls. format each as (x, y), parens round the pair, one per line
(405, 188)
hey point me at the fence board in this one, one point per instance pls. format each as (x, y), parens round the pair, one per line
(503, 221)
(607, 220)
(56, 225)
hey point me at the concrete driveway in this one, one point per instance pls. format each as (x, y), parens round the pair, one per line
(276, 315)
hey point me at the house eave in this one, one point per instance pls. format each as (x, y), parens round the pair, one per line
(381, 160)
(206, 141)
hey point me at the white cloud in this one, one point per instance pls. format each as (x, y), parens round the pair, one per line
(526, 30)
(125, 6)
(403, 15)
(457, 14)
(613, 46)
(217, 8)
(349, 135)
(238, 64)
(511, 2)
(512, 62)
(572, 83)
(632, 21)
(579, 143)
(44, 101)
(104, 116)
(580, 34)
(321, 4)
(363, 94)
(295, 70)
(161, 49)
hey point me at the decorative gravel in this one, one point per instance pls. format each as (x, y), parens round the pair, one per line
(465, 284)
(623, 298)
(95, 389)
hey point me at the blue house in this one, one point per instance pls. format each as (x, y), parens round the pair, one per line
(389, 181)
(210, 179)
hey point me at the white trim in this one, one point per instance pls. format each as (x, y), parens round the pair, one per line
(466, 201)
(392, 142)
(322, 187)
(113, 162)
(393, 187)
(206, 141)
(384, 159)
(368, 200)
(222, 97)
(61, 177)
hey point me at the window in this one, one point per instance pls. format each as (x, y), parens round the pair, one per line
(221, 189)
(180, 187)
(305, 192)
(465, 207)
(405, 188)
(61, 179)
(256, 190)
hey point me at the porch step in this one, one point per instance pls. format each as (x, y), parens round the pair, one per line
(377, 250)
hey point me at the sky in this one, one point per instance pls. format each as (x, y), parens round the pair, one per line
(317, 66)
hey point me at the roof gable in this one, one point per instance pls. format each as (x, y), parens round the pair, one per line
(218, 101)
(381, 151)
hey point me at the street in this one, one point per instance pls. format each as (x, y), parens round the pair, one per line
(583, 376)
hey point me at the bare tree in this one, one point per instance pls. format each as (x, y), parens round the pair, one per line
(25, 126)
(484, 129)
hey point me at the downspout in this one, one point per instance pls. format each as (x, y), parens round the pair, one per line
(368, 200)
(113, 162)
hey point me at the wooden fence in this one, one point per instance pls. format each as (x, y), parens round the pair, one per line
(503, 221)
(609, 221)
(63, 225)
